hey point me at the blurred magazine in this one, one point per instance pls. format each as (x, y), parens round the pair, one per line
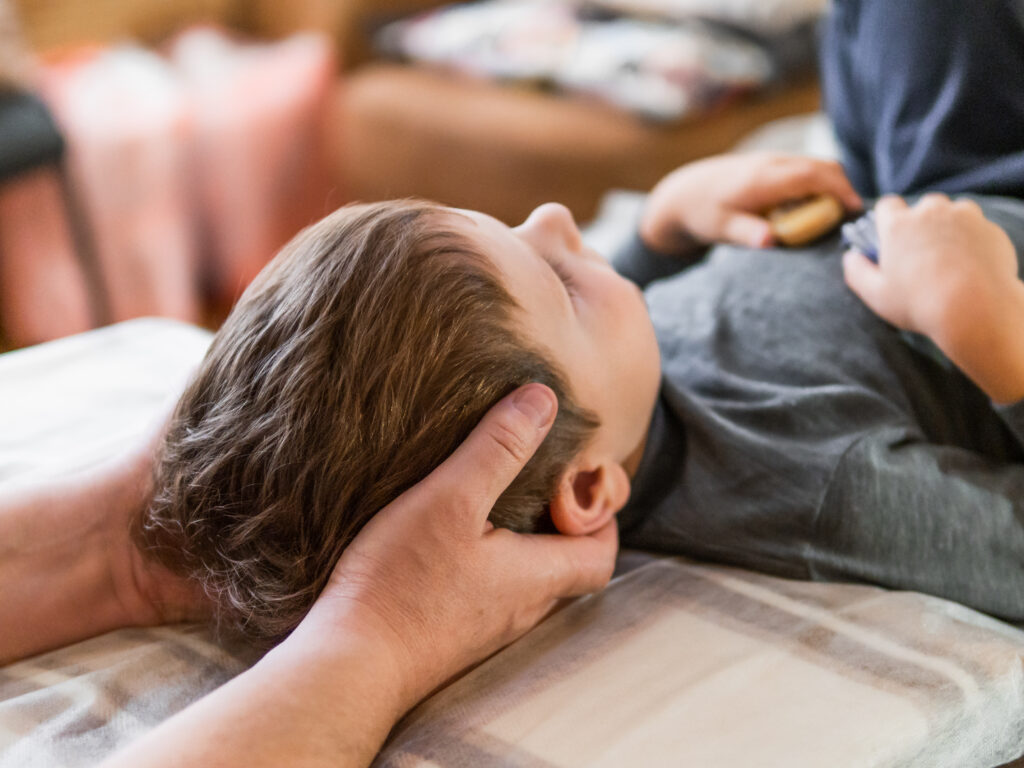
(760, 17)
(664, 70)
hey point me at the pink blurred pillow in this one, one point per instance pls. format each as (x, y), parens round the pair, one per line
(258, 156)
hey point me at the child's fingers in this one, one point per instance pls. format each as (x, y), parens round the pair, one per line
(470, 481)
(840, 186)
(747, 229)
(966, 205)
(933, 200)
(801, 177)
(886, 208)
(865, 279)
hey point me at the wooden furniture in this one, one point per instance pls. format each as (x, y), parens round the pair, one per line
(399, 130)
(405, 131)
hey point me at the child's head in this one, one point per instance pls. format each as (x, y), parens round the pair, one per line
(358, 360)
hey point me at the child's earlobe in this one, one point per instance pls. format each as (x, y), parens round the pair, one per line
(586, 499)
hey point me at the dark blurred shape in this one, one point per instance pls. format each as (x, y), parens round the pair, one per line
(30, 138)
(31, 142)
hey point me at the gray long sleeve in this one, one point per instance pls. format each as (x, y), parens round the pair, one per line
(644, 265)
(911, 514)
(1013, 416)
(799, 434)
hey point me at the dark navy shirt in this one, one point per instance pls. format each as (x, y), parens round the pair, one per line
(927, 95)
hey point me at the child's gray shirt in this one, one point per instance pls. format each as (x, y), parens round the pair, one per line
(799, 434)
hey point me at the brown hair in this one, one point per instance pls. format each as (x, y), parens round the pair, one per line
(355, 364)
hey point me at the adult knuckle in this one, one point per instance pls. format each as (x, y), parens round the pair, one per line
(436, 489)
(463, 501)
(510, 440)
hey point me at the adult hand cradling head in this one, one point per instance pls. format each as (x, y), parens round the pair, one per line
(428, 588)
(430, 579)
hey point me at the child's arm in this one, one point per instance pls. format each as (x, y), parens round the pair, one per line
(947, 272)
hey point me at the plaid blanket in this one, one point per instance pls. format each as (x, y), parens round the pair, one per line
(675, 663)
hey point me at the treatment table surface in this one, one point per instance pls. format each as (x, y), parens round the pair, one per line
(676, 663)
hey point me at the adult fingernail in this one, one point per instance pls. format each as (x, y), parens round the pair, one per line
(536, 402)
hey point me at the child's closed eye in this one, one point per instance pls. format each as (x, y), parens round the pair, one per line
(565, 275)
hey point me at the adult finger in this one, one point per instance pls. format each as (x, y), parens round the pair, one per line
(555, 566)
(470, 481)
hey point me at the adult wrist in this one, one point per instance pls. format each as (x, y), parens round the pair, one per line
(342, 653)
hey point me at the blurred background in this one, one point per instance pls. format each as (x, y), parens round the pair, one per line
(155, 154)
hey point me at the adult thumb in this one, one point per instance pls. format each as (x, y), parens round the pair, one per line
(479, 471)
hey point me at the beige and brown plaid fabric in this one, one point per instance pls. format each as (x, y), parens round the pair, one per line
(675, 664)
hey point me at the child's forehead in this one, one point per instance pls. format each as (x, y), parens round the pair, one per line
(487, 232)
(468, 220)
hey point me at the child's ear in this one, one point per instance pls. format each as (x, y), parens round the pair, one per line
(588, 497)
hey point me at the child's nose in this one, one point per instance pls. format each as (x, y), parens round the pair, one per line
(554, 220)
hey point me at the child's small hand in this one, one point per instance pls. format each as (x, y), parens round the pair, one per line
(946, 271)
(939, 264)
(722, 199)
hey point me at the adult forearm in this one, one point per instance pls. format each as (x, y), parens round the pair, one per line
(312, 701)
(55, 566)
(426, 590)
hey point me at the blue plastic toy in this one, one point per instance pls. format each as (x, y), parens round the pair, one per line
(863, 235)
